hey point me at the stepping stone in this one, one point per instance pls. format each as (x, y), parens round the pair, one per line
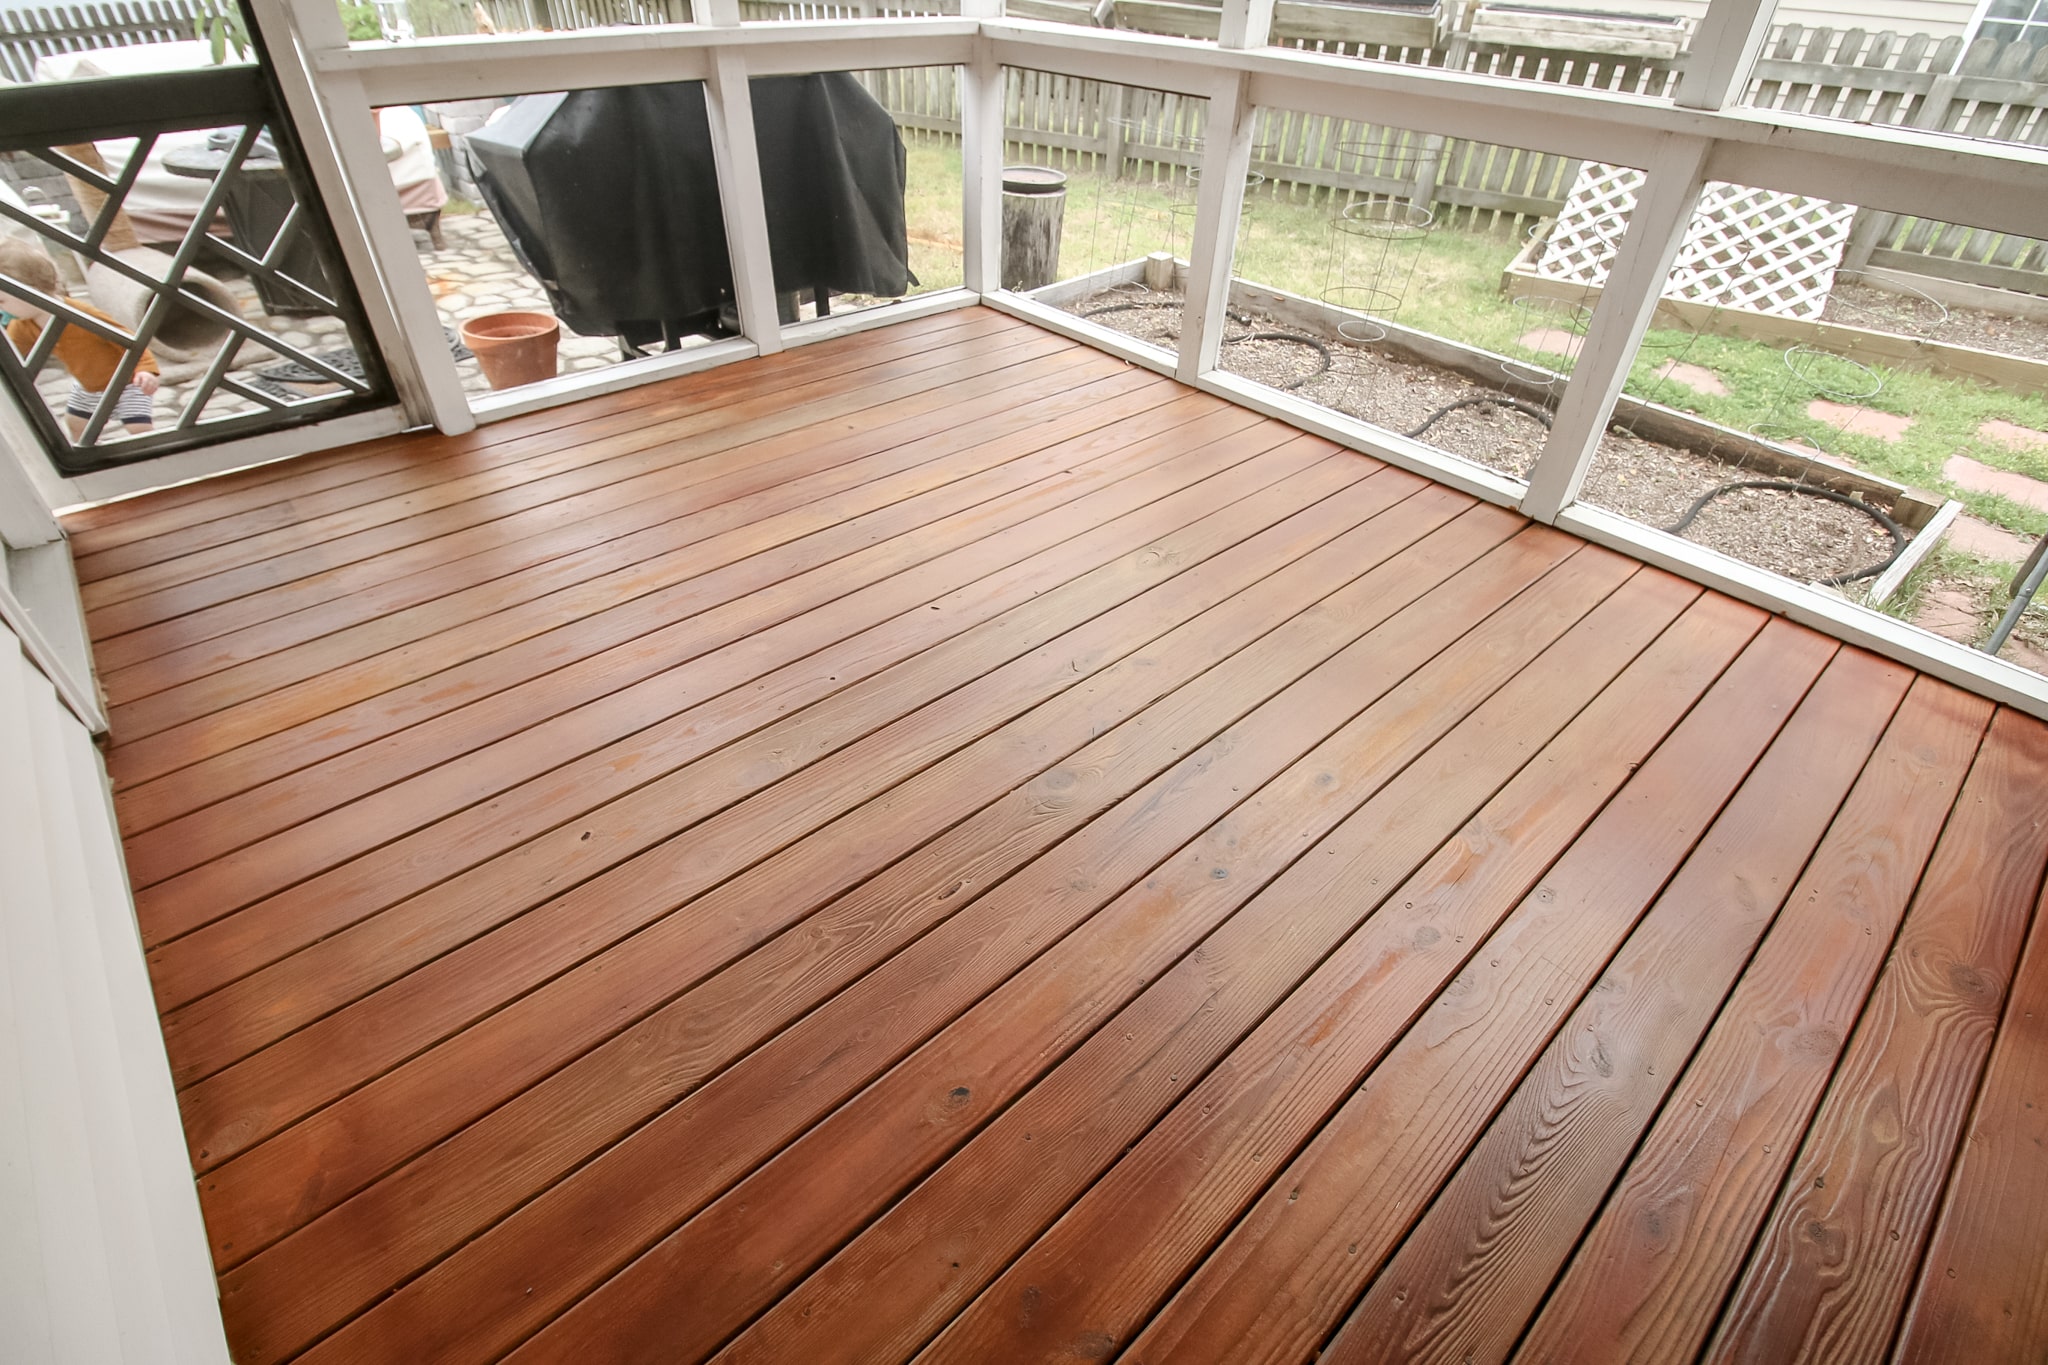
(1698, 378)
(1986, 541)
(2012, 434)
(1950, 613)
(1859, 421)
(1982, 478)
(1551, 341)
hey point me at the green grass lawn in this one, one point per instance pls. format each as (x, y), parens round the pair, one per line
(1454, 291)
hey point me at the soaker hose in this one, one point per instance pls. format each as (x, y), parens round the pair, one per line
(1891, 528)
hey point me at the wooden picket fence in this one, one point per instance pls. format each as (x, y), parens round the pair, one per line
(1878, 76)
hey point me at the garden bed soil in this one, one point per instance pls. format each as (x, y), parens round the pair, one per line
(1854, 304)
(1802, 537)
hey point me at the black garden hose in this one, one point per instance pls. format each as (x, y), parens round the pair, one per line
(1892, 528)
(1484, 400)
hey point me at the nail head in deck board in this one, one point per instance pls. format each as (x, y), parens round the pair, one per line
(1472, 1273)
(1833, 1266)
(1658, 1263)
(1214, 564)
(643, 1187)
(777, 982)
(900, 1281)
(781, 474)
(740, 1253)
(1184, 1187)
(566, 713)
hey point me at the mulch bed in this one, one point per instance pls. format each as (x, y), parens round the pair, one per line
(1862, 305)
(1801, 537)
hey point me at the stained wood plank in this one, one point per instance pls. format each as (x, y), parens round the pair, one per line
(976, 629)
(289, 498)
(467, 1307)
(1836, 1260)
(1472, 1273)
(587, 685)
(1657, 1264)
(1194, 1175)
(500, 487)
(1979, 1294)
(145, 661)
(229, 768)
(749, 1247)
(756, 890)
(1026, 641)
(149, 513)
(614, 1087)
(384, 653)
(239, 1106)
(905, 1276)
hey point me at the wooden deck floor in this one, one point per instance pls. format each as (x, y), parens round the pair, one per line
(942, 845)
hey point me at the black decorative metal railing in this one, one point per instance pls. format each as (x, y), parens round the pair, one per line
(191, 289)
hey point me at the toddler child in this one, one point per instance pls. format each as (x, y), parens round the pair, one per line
(90, 358)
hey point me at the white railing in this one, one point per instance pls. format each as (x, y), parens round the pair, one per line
(331, 89)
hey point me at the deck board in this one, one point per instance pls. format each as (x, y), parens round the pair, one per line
(941, 845)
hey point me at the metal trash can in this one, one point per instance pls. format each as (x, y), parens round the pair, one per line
(1034, 206)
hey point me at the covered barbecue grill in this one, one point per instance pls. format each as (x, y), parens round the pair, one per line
(610, 199)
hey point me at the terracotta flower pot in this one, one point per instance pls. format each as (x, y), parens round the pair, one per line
(514, 348)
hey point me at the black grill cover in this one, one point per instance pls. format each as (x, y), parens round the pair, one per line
(610, 199)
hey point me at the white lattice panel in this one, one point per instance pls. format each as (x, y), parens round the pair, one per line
(1747, 248)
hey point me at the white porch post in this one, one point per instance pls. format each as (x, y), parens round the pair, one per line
(1656, 229)
(738, 158)
(1723, 49)
(982, 151)
(338, 130)
(1219, 200)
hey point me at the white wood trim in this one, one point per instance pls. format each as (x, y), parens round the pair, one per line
(981, 184)
(1081, 329)
(184, 1257)
(1925, 542)
(1635, 283)
(1445, 468)
(1722, 51)
(25, 516)
(44, 582)
(121, 481)
(731, 108)
(1970, 668)
(102, 1222)
(76, 688)
(62, 1194)
(345, 157)
(1219, 201)
(628, 374)
(877, 315)
(1245, 24)
(517, 64)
